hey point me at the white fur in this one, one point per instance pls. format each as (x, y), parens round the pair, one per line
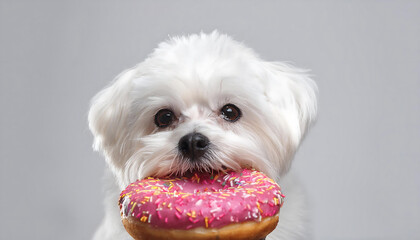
(195, 77)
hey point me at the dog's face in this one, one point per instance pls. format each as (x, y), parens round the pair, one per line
(202, 103)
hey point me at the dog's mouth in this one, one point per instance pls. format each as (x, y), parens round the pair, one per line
(203, 171)
(198, 170)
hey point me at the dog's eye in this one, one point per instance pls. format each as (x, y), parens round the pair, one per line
(230, 113)
(164, 118)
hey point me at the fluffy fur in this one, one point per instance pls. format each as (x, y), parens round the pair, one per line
(195, 76)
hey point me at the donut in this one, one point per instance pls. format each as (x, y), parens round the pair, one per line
(229, 205)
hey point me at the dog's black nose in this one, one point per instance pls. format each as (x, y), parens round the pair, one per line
(193, 145)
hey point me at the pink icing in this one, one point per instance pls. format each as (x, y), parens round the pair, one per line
(210, 201)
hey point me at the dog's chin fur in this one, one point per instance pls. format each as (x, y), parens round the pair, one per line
(195, 77)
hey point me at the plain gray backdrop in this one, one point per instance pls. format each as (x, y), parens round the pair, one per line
(360, 163)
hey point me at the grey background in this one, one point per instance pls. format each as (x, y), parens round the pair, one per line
(360, 163)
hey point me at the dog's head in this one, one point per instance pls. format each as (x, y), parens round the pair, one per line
(202, 103)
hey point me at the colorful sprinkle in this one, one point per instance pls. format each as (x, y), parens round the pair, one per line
(206, 221)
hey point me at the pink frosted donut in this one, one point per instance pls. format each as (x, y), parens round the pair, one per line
(233, 205)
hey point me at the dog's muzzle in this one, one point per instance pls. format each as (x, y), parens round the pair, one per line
(193, 146)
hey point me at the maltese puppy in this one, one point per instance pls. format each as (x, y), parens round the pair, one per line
(203, 103)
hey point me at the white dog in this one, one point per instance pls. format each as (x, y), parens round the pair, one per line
(237, 109)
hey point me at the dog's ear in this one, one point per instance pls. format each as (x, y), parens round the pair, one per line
(109, 113)
(294, 95)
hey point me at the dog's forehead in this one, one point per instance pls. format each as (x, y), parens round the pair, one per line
(208, 90)
(208, 71)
